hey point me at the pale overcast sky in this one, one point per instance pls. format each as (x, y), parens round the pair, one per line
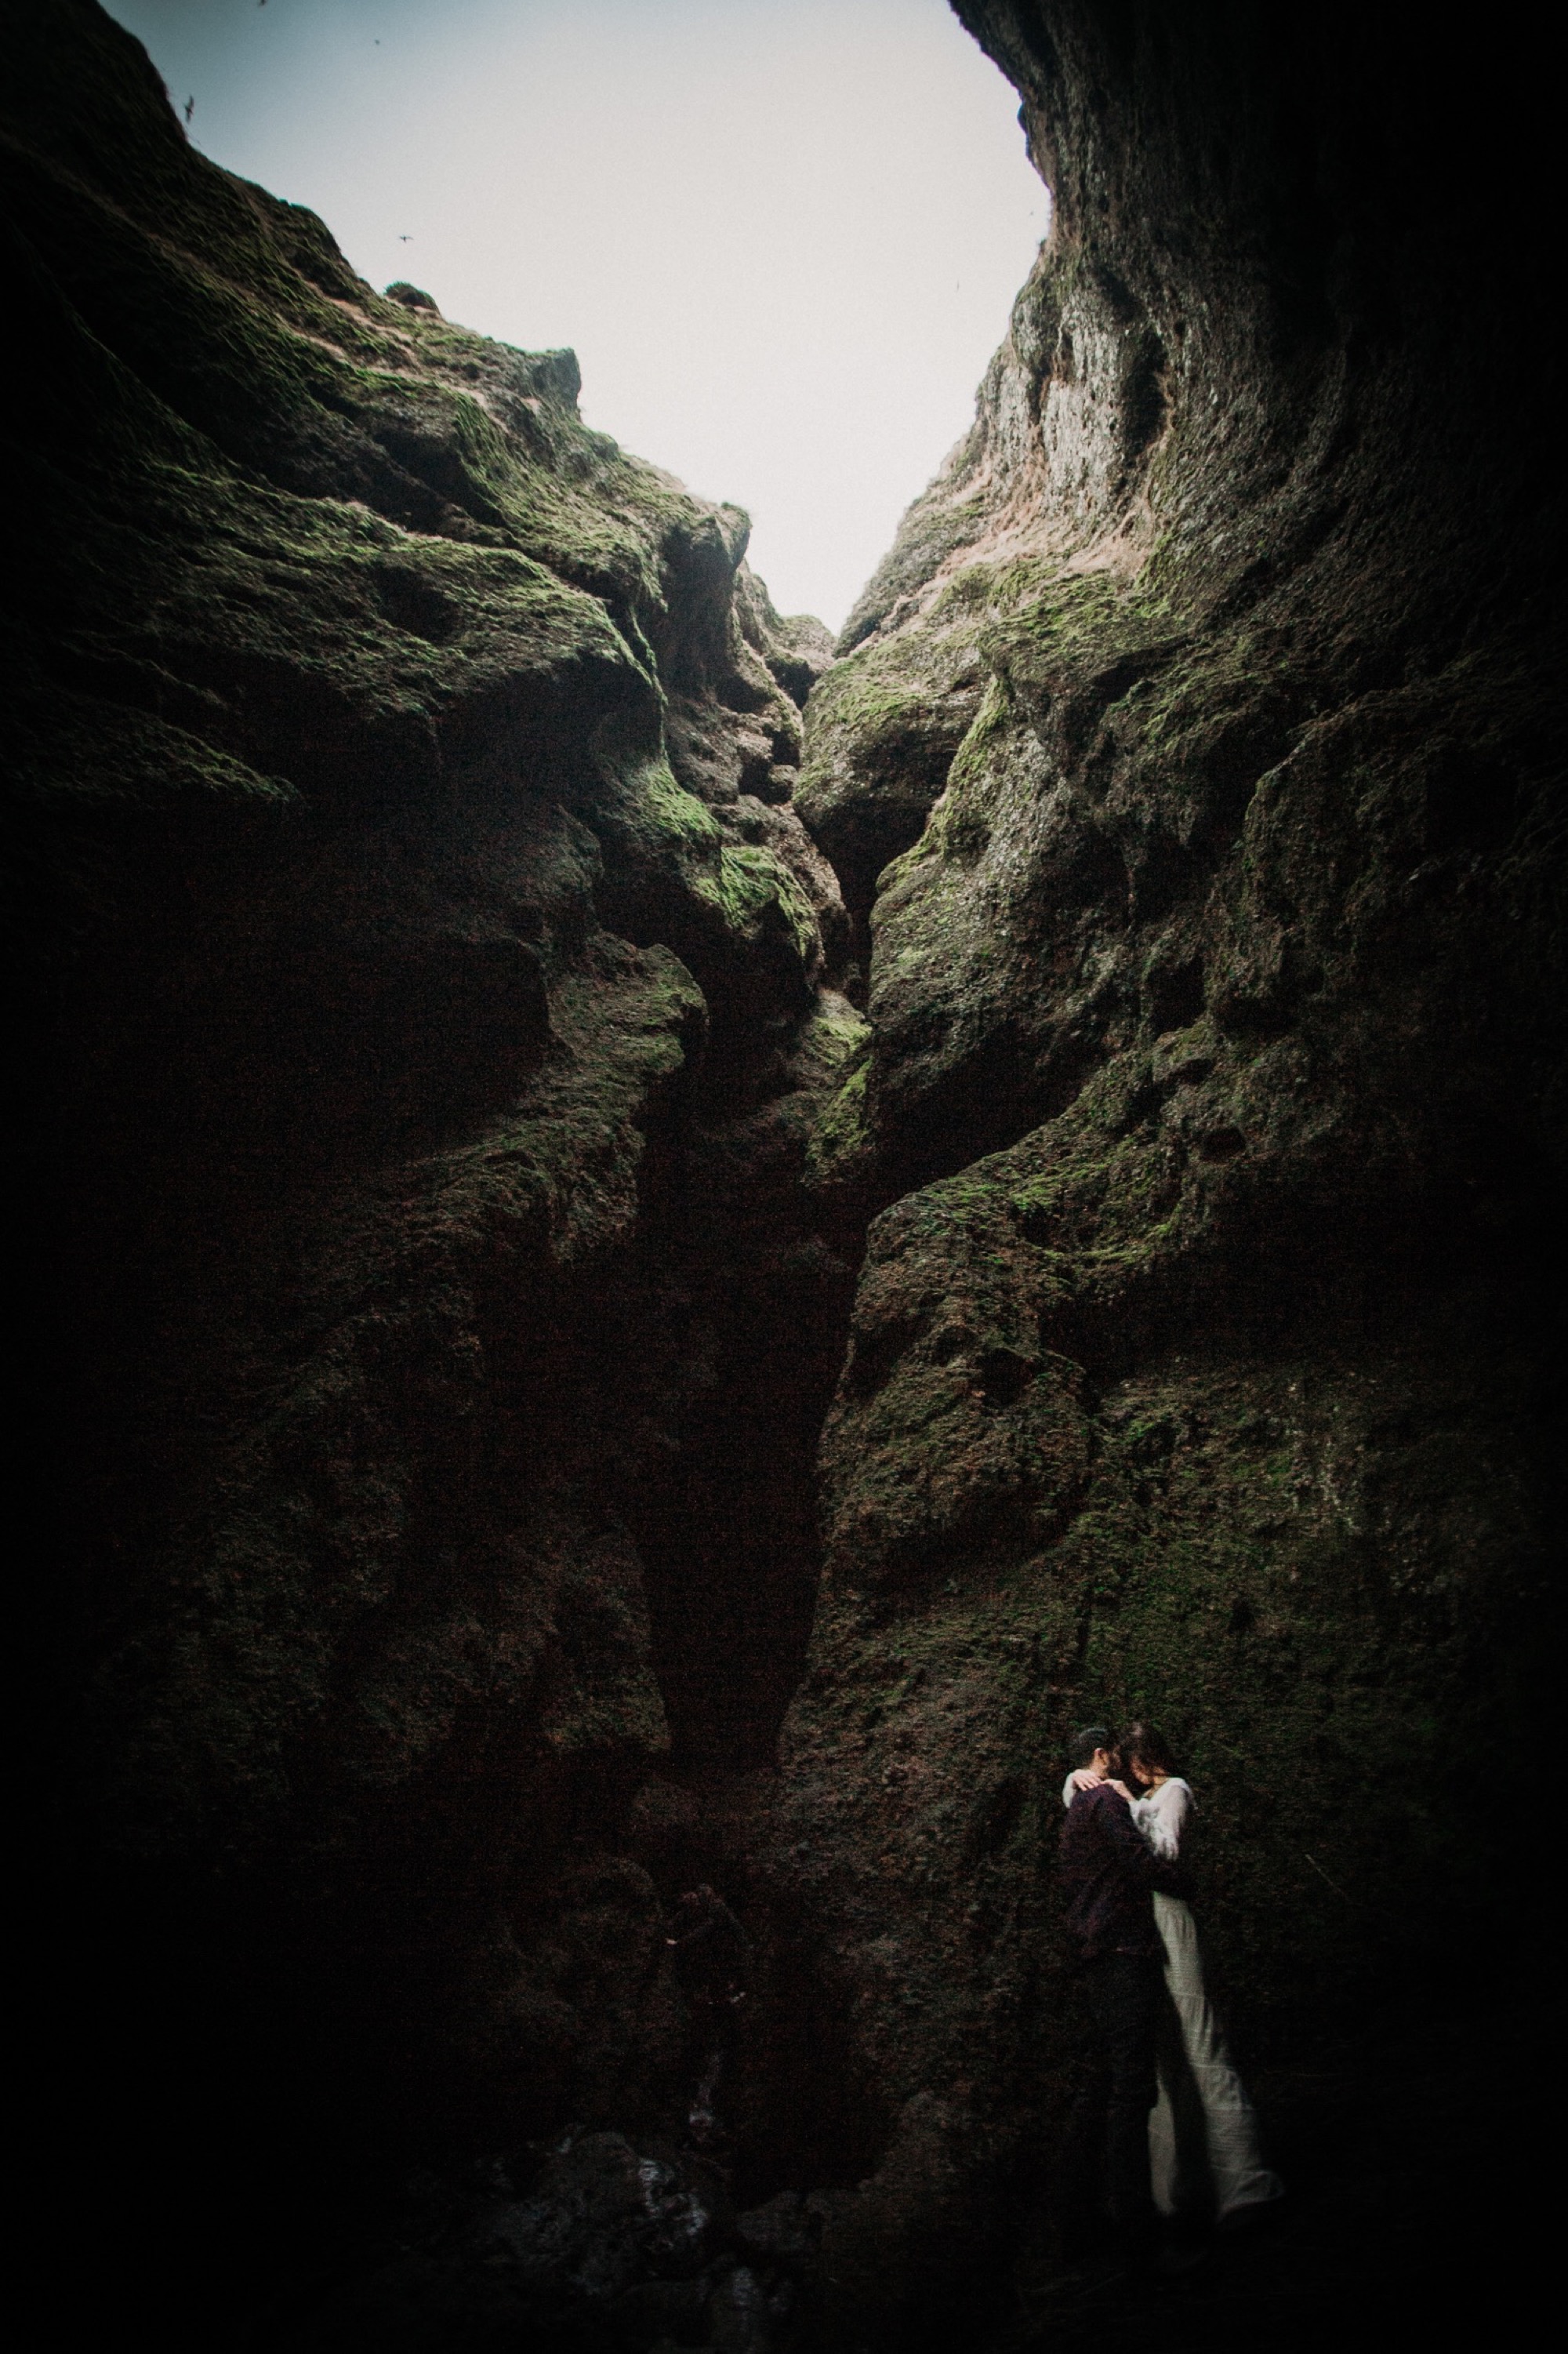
(782, 236)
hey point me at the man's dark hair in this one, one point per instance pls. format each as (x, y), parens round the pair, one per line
(1149, 1746)
(1083, 1743)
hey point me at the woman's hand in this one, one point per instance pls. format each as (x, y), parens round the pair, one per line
(1086, 1779)
(1115, 1784)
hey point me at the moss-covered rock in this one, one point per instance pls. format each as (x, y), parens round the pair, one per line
(1195, 782)
(410, 907)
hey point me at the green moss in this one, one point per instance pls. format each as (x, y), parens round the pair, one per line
(843, 1032)
(842, 1138)
(685, 824)
(759, 898)
(1052, 624)
(1107, 1211)
(884, 721)
(560, 1170)
(958, 828)
(92, 751)
(833, 1041)
(991, 728)
(869, 695)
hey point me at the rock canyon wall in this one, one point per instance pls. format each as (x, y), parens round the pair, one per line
(435, 987)
(1192, 768)
(649, 1288)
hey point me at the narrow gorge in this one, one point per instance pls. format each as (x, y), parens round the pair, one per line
(672, 1247)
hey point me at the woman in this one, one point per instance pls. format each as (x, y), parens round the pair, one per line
(1202, 2123)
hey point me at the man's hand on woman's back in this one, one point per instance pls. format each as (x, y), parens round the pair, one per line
(1086, 1779)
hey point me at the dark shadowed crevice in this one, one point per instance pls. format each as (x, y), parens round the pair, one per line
(731, 1554)
(725, 1518)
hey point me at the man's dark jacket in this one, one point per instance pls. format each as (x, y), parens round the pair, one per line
(1109, 1873)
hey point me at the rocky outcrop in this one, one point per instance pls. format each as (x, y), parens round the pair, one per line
(1192, 768)
(432, 982)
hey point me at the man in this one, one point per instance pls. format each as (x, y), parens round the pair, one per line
(1109, 1875)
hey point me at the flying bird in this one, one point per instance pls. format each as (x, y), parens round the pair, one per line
(405, 241)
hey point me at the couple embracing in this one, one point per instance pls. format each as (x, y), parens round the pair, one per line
(1166, 2106)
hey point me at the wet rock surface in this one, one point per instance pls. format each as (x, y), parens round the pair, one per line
(674, 1249)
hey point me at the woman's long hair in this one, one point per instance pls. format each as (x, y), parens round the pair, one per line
(1149, 1746)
